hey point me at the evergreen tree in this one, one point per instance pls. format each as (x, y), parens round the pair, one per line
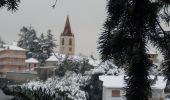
(129, 26)
(29, 41)
(10, 4)
(46, 45)
(40, 48)
(42, 54)
(94, 87)
(50, 42)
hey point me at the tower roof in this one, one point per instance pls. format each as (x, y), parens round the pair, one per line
(67, 29)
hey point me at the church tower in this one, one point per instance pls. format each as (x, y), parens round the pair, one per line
(67, 40)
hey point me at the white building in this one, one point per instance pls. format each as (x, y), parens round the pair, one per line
(113, 88)
(51, 61)
(31, 63)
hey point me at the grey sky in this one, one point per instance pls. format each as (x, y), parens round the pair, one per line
(86, 17)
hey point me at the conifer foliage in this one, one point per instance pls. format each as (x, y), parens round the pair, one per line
(37, 47)
(130, 24)
(10, 4)
(29, 41)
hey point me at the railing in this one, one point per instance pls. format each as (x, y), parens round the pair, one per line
(12, 63)
(12, 56)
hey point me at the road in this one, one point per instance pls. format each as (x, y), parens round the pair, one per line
(4, 97)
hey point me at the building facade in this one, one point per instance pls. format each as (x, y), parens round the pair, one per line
(113, 88)
(31, 63)
(51, 61)
(67, 40)
(12, 58)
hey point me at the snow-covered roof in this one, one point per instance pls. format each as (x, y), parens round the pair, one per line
(56, 57)
(52, 58)
(118, 82)
(12, 47)
(61, 57)
(112, 81)
(94, 62)
(31, 60)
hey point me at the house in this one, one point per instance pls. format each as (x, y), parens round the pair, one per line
(113, 88)
(12, 58)
(51, 61)
(31, 63)
(153, 56)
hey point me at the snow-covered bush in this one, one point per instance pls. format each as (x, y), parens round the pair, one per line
(72, 64)
(76, 77)
(69, 83)
(25, 93)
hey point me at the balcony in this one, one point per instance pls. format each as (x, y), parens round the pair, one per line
(12, 63)
(12, 56)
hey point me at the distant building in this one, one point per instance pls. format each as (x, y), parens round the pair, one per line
(154, 57)
(113, 88)
(12, 58)
(67, 40)
(51, 61)
(31, 63)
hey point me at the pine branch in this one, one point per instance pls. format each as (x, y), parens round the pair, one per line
(160, 26)
(55, 3)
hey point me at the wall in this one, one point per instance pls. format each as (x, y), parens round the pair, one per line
(31, 66)
(107, 94)
(64, 49)
(50, 63)
(21, 77)
(45, 72)
(9, 68)
(12, 60)
(157, 94)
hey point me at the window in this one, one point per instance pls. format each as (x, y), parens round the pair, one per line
(70, 49)
(62, 41)
(19, 67)
(34, 65)
(115, 93)
(29, 66)
(70, 41)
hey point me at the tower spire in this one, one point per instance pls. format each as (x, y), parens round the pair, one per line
(67, 29)
(67, 40)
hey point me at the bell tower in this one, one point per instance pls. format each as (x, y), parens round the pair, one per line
(67, 40)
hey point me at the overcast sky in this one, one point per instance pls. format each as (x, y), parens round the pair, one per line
(86, 18)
